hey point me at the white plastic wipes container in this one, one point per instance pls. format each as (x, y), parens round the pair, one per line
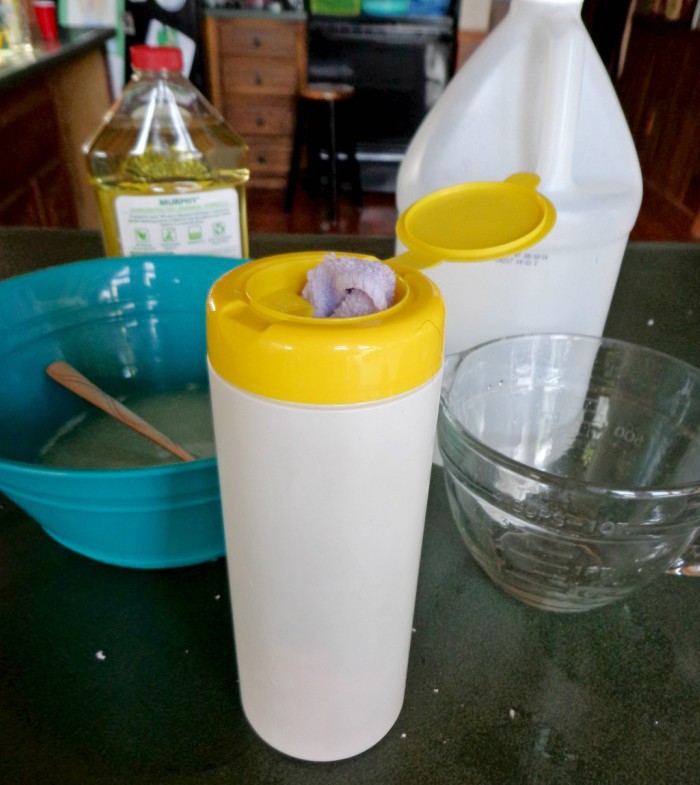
(533, 97)
(324, 433)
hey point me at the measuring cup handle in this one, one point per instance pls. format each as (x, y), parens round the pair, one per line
(688, 564)
(562, 99)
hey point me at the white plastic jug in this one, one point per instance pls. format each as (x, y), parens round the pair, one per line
(534, 97)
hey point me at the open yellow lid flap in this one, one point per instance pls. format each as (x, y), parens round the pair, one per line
(474, 222)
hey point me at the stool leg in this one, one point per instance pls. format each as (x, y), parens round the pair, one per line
(333, 161)
(346, 143)
(354, 172)
(296, 158)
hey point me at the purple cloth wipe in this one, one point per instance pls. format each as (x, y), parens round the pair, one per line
(345, 286)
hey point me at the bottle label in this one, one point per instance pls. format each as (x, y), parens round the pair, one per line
(204, 223)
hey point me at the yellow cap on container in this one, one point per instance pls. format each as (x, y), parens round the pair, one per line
(263, 338)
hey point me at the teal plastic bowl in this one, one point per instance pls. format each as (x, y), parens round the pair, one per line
(133, 325)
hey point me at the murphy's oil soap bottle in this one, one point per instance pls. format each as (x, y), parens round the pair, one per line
(534, 97)
(169, 173)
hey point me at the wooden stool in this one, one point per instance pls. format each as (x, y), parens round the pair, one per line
(325, 126)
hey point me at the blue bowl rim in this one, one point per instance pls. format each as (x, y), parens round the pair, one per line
(29, 469)
(116, 260)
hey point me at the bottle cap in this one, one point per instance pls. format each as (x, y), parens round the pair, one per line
(156, 58)
(263, 338)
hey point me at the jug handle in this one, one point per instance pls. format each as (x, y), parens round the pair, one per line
(562, 99)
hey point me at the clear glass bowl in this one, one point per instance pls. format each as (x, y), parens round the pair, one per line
(572, 465)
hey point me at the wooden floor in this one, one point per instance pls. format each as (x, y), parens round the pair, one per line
(376, 217)
(658, 221)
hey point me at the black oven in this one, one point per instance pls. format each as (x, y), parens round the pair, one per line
(398, 67)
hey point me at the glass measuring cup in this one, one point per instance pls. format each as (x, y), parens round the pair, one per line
(573, 465)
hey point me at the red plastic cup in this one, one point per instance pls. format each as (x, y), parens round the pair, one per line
(45, 11)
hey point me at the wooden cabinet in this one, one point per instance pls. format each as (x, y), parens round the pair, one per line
(660, 93)
(33, 169)
(45, 116)
(255, 69)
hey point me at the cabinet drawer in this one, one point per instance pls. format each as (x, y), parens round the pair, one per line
(28, 136)
(253, 74)
(262, 39)
(264, 114)
(269, 155)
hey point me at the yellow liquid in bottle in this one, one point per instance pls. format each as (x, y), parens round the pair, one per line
(215, 162)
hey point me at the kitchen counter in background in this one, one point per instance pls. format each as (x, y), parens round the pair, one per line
(73, 44)
(111, 675)
(49, 106)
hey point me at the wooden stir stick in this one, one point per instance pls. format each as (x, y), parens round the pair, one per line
(67, 376)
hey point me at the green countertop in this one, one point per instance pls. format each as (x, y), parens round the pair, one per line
(111, 676)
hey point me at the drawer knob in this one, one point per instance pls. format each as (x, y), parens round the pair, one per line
(257, 42)
(258, 79)
(262, 159)
(260, 122)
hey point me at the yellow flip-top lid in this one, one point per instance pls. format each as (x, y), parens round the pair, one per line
(263, 338)
(474, 222)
